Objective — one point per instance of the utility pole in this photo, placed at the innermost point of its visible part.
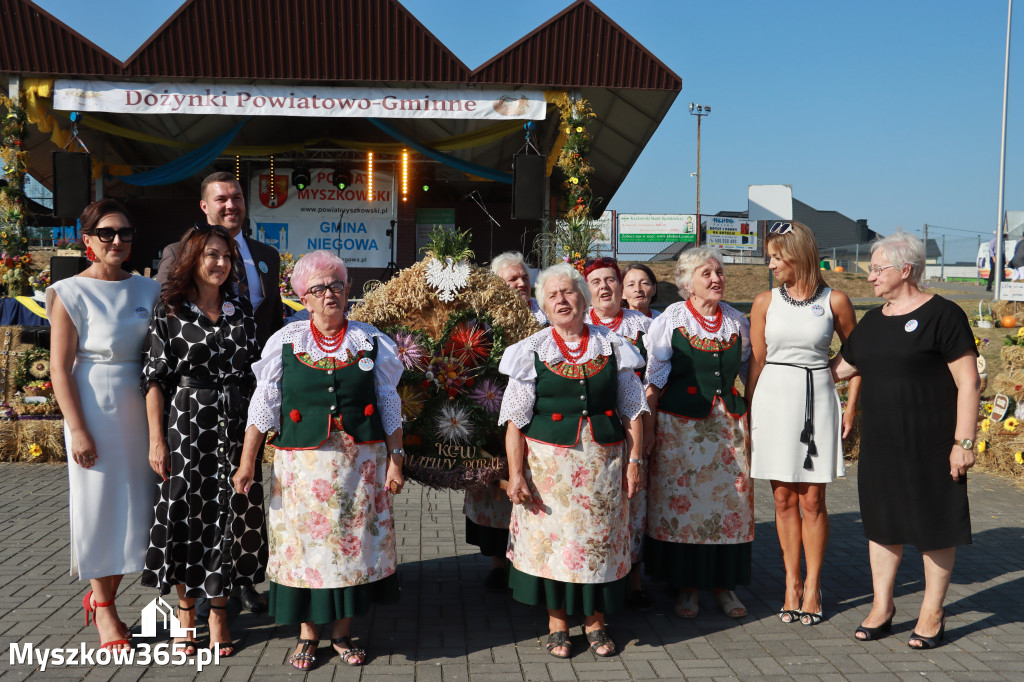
(700, 111)
(942, 270)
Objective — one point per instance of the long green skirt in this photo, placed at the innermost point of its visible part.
(703, 567)
(491, 541)
(291, 605)
(575, 598)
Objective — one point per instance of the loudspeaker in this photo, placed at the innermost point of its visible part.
(62, 267)
(528, 186)
(70, 183)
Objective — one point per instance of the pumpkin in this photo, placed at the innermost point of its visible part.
(840, 268)
(1008, 321)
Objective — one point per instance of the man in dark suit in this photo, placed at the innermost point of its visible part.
(223, 203)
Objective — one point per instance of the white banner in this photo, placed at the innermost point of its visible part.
(344, 222)
(646, 227)
(231, 99)
(737, 234)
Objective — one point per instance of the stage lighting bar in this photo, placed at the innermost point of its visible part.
(238, 168)
(369, 176)
(405, 175)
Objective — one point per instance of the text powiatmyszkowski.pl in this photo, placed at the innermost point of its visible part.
(139, 654)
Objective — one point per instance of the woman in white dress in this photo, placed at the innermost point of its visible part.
(100, 319)
(572, 406)
(328, 388)
(795, 419)
(604, 280)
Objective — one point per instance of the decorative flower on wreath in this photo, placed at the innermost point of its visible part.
(412, 399)
(488, 394)
(454, 423)
(410, 351)
(468, 344)
(1010, 424)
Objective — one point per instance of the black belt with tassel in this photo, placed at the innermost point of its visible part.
(807, 435)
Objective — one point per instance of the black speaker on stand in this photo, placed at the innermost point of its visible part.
(62, 267)
(528, 186)
(70, 183)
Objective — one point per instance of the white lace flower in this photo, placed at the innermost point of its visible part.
(454, 424)
(448, 277)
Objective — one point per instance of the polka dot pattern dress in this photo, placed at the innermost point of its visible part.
(205, 536)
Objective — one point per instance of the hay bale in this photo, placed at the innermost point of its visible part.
(1011, 384)
(1001, 309)
(48, 434)
(1012, 357)
(8, 440)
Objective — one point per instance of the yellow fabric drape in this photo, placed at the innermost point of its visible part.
(294, 305)
(32, 305)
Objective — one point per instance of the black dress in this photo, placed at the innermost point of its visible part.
(205, 536)
(908, 412)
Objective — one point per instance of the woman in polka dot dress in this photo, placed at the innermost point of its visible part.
(197, 377)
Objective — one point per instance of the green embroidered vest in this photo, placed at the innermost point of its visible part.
(315, 394)
(703, 370)
(570, 395)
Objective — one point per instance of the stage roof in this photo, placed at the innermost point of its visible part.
(360, 43)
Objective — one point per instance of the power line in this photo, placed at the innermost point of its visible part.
(955, 229)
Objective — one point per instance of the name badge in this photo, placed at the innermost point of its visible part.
(365, 364)
(817, 310)
(910, 326)
(228, 308)
(263, 267)
(142, 312)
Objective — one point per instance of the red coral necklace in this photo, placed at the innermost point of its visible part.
(711, 327)
(613, 325)
(572, 356)
(328, 344)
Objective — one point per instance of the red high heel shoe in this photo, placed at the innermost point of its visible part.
(90, 606)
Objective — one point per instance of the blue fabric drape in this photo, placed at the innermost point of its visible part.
(184, 166)
(441, 157)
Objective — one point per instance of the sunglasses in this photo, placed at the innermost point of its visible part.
(337, 287)
(606, 262)
(780, 228)
(107, 234)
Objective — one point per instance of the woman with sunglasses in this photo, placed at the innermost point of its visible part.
(197, 377)
(99, 320)
(604, 280)
(796, 424)
(328, 387)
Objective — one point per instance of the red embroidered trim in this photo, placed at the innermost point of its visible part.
(583, 370)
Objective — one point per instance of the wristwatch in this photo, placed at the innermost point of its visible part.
(398, 451)
(967, 444)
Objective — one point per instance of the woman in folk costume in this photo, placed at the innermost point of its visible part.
(700, 509)
(327, 386)
(572, 405)
(604, 280)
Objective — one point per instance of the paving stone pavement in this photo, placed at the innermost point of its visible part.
(449, 628)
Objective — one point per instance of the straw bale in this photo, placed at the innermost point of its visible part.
(48, 434)
(1012, 356)
(1001, 309)
(8, 440)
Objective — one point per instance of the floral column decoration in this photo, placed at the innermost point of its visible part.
(14, 258)
(574, 234)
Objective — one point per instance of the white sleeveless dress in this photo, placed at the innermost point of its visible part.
(801, 336)
(111, 503)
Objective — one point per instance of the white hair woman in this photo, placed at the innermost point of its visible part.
(572, 405)
(511, 267)
(327, 386)
(917, 357)
(695, 351)
(796, 423)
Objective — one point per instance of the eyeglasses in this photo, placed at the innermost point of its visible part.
(337, 287)
(107, 234)
(780, 228)
(875, 270)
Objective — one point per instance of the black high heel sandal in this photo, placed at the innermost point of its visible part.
(929, 642)
(187, 644)
(874, 633)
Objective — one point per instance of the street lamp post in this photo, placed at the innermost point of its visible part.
(698, 110)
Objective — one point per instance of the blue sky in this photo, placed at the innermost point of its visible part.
(883, 110)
